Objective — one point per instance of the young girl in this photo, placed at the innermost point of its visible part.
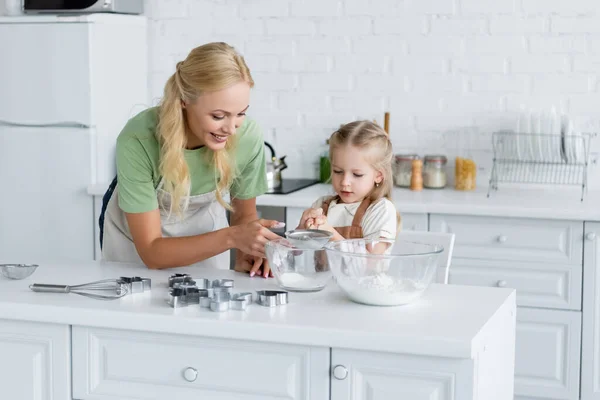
(361, 164)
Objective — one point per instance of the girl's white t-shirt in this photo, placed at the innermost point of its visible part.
(379, 220)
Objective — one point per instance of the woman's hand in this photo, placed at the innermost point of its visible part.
(250, 238)
(251, 264)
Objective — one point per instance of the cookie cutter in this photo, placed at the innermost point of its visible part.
(136, 284)
(219, 305)
(271, 298)
(177, 298)
(179, 278)
(217, 295)
(240, 301)
(213, 294)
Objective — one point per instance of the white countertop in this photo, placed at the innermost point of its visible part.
(446, 321)
(559, 203)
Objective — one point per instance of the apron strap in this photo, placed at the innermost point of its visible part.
(105, 200)
(360, 213)
(325, 205)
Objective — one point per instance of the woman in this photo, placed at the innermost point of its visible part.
(177, 162)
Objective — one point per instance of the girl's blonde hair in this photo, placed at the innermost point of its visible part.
(375, 143)
(207, 68)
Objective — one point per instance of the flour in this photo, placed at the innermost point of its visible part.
(381, 290)
(299, 281)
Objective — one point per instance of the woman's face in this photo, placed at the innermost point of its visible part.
(215, 116)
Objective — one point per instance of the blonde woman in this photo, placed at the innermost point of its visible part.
(177, 162)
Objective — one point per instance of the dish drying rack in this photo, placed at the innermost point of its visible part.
(528, 158)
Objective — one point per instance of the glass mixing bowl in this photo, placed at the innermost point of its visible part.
(298, 267)
(383, 272)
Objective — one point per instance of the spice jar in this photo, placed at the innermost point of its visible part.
(403, 169)
(434, 171)
(416, 179)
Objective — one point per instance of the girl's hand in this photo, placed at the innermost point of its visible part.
(308, 217)
(321, 223)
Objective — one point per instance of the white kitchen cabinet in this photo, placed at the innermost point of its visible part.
(35, 361)
(358, 375)
(543, 260)
(547, 355)
(117, 364)
(590, 352)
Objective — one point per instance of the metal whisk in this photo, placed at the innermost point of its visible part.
(108, 289)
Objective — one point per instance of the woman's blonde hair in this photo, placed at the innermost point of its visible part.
(375, 143)
(207, 68)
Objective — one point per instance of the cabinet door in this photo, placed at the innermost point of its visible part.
(35, 361)
(547, 354)
(590, 350)
(358, 375)
(119, 364)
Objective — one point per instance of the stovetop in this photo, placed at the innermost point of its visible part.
(292, 185)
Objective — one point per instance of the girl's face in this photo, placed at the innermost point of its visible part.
(352, 176)
(215, 116)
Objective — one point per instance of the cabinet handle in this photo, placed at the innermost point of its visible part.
(502, 239)
(590, 236)
(190, 374)
(340, 372)
(501, 283)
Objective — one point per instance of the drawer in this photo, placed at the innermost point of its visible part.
(117, 364)
(513, 239)
(547, 354)
(537, 284)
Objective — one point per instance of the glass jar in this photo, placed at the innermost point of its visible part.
(434, 171)
(465, 174)
(403, 169)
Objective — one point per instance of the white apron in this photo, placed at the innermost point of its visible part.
(203, 214)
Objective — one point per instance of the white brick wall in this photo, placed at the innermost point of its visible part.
(441, 67)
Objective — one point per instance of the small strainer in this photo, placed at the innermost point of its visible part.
(17, 271)
(314, 238)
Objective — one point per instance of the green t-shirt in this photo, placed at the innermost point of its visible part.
(138, 164)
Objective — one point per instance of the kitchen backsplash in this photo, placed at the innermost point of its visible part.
(449, 71)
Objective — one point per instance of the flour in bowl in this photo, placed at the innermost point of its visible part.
(382, 290)
(296, 280)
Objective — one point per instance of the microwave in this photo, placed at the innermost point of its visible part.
(83, 6)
